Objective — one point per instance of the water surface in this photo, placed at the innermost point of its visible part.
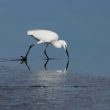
(83, 83)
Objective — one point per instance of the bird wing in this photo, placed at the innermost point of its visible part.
(35, 38)
(39, 42)
(43, 35)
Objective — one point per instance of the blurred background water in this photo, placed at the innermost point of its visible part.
(84, 24)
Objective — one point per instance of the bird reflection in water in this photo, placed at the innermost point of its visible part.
(24, 60)
(65, 69)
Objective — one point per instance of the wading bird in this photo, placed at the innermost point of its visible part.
(47, 37)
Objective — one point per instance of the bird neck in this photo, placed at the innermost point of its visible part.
(57, 44)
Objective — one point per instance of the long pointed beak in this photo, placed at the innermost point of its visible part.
(67, 53)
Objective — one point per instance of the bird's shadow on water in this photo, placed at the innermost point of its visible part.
(22, 61)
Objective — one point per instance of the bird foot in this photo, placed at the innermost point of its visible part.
(23, 59)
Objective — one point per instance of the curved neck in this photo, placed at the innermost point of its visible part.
(57, 44)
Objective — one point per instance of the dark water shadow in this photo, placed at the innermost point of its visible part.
(20, 60)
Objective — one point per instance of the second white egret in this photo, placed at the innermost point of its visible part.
(47, 37)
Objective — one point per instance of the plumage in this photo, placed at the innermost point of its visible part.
(47, 37)
(43, 35)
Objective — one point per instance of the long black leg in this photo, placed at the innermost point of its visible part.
(30, 47)
(67, 53)
(45, 65)
(45, 52)
(67, 64)
(24, 58)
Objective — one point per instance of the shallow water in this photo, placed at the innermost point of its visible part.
(83, 83)
(57, 89)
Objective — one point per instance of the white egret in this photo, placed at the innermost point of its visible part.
(47, 37)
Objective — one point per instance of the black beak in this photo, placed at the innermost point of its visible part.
(67, 53)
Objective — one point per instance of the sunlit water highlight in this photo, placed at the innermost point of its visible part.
(47, 88)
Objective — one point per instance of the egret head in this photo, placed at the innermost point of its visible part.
(61, 44)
